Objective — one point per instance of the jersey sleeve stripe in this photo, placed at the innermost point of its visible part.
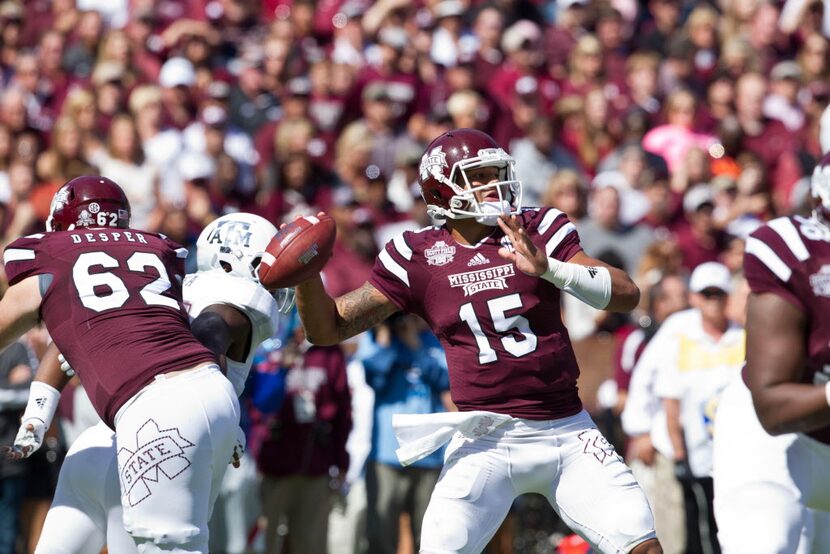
(558, 237)
(401, 247)
(548, 220)
(787, 231)
(181, 252)
(393, 267)
(18, 255)
(35, 236)
(768, 257)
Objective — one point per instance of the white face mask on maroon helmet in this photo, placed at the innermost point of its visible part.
(447, 189)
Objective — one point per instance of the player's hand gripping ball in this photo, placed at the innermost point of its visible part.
(297, 252)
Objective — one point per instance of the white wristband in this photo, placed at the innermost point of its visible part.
(591, 284)
(43, 402)
(827, 392)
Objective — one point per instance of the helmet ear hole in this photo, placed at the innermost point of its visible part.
(225, 266)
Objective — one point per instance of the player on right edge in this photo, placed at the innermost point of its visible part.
(488, 283)
(772, 494)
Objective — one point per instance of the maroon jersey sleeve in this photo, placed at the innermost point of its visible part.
(394, 274)
(768, 262)
(553, 231)
(24, 258)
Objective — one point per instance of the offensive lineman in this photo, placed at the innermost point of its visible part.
(111, 298)
(232, 314)
(771, 490)
(488, 283)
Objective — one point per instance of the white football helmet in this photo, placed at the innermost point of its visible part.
(234, 243)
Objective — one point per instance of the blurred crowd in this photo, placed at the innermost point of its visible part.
(667, 130)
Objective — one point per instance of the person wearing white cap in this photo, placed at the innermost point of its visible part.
(176, 78)
(695, 354)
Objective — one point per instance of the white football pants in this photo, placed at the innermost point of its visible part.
(566, 460)
(759, 506)
(174, 440)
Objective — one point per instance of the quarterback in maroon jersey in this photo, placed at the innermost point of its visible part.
(111, 298)
(787, 265)
(488, 283)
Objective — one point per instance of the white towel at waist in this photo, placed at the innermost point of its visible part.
(422, 434)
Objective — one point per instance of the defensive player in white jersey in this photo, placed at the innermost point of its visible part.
(772, 494)
(231, 314)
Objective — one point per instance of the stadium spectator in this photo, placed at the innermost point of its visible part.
(313, 422)
(649, 451)
(701, 352)
(604, 231)
(405, 366)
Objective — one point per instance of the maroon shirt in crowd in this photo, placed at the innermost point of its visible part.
(506, 346)
(790, 257)
(308, 435)
(113, 306)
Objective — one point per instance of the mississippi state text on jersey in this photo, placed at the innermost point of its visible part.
(507, 348)
(790, 257)
(112, 304)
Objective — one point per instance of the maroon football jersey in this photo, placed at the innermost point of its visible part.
(507, 349)
(113, 307)
(790, 257)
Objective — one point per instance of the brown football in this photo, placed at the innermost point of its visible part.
(297, 252)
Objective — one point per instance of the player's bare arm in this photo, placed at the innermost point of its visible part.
(19, 310)
(775, 361)
(623, 295)
(225, 330)
(329, 321)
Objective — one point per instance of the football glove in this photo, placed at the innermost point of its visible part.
(239, 448)
(65, 367)
(43, 401)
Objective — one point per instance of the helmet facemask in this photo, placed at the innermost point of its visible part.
(500, 197)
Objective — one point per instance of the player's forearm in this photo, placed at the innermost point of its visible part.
(599, 285)
(49, 371)
(792, 408)
(328, 321)
(625, 295)
(318, 312)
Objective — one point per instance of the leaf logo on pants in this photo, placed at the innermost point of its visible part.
(157, 451)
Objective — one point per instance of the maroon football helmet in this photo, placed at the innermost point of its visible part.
(446, 188)
(89, 201)
(820, 189)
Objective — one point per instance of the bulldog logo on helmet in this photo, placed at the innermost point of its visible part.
(434, 163)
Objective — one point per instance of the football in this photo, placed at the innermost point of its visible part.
(297, 252)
